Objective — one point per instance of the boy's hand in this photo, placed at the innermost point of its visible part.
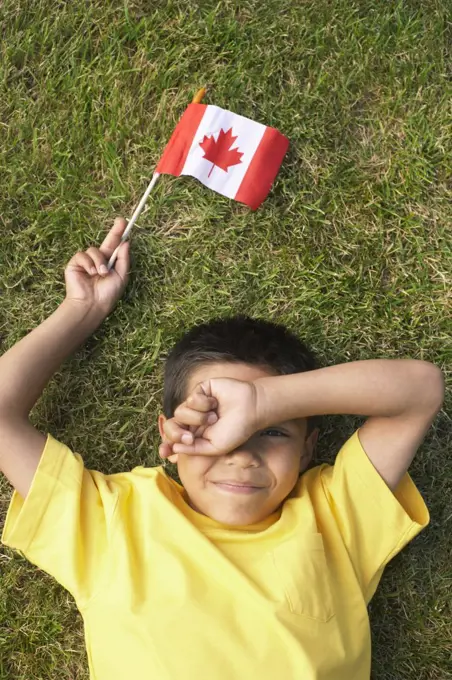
(235, 405)
(88, 281)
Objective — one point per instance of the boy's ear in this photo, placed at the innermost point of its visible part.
(161, 422)
(313, 437)
(309, 449)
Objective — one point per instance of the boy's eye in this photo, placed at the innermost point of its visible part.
(272, 430)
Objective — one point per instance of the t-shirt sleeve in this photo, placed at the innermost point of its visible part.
(63, 525)
(375, 523)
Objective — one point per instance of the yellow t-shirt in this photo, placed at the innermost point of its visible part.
(167, 593)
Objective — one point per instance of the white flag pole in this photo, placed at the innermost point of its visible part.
(196, 100)
(134, 218)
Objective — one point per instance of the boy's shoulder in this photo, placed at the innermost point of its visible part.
(143, 479)
(319, 475)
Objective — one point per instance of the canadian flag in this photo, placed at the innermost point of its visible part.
(230, 154)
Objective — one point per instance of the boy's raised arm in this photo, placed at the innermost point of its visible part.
(24, 372)
(400, 398)
(27, 367)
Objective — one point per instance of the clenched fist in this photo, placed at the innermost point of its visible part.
(218, 416)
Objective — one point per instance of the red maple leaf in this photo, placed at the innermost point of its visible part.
(219, 152)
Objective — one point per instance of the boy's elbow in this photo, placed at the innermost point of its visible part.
(432, 387)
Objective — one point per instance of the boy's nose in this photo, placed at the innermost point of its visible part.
(243, 456)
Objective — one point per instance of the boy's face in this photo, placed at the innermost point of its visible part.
(271, 458)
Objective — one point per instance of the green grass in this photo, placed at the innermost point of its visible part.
(352, 249)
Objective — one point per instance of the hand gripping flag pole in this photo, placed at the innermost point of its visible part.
(196, 100)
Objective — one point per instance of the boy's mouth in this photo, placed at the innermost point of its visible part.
(236, 487)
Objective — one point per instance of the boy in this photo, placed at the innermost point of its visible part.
(247, 570)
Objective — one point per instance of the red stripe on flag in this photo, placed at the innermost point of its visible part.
(263, 168)
(176, 151)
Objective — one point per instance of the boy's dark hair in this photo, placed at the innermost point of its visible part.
(237, 339)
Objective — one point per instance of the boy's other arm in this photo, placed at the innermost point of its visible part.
(91, 294)
(24, 372)
(400, 397)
